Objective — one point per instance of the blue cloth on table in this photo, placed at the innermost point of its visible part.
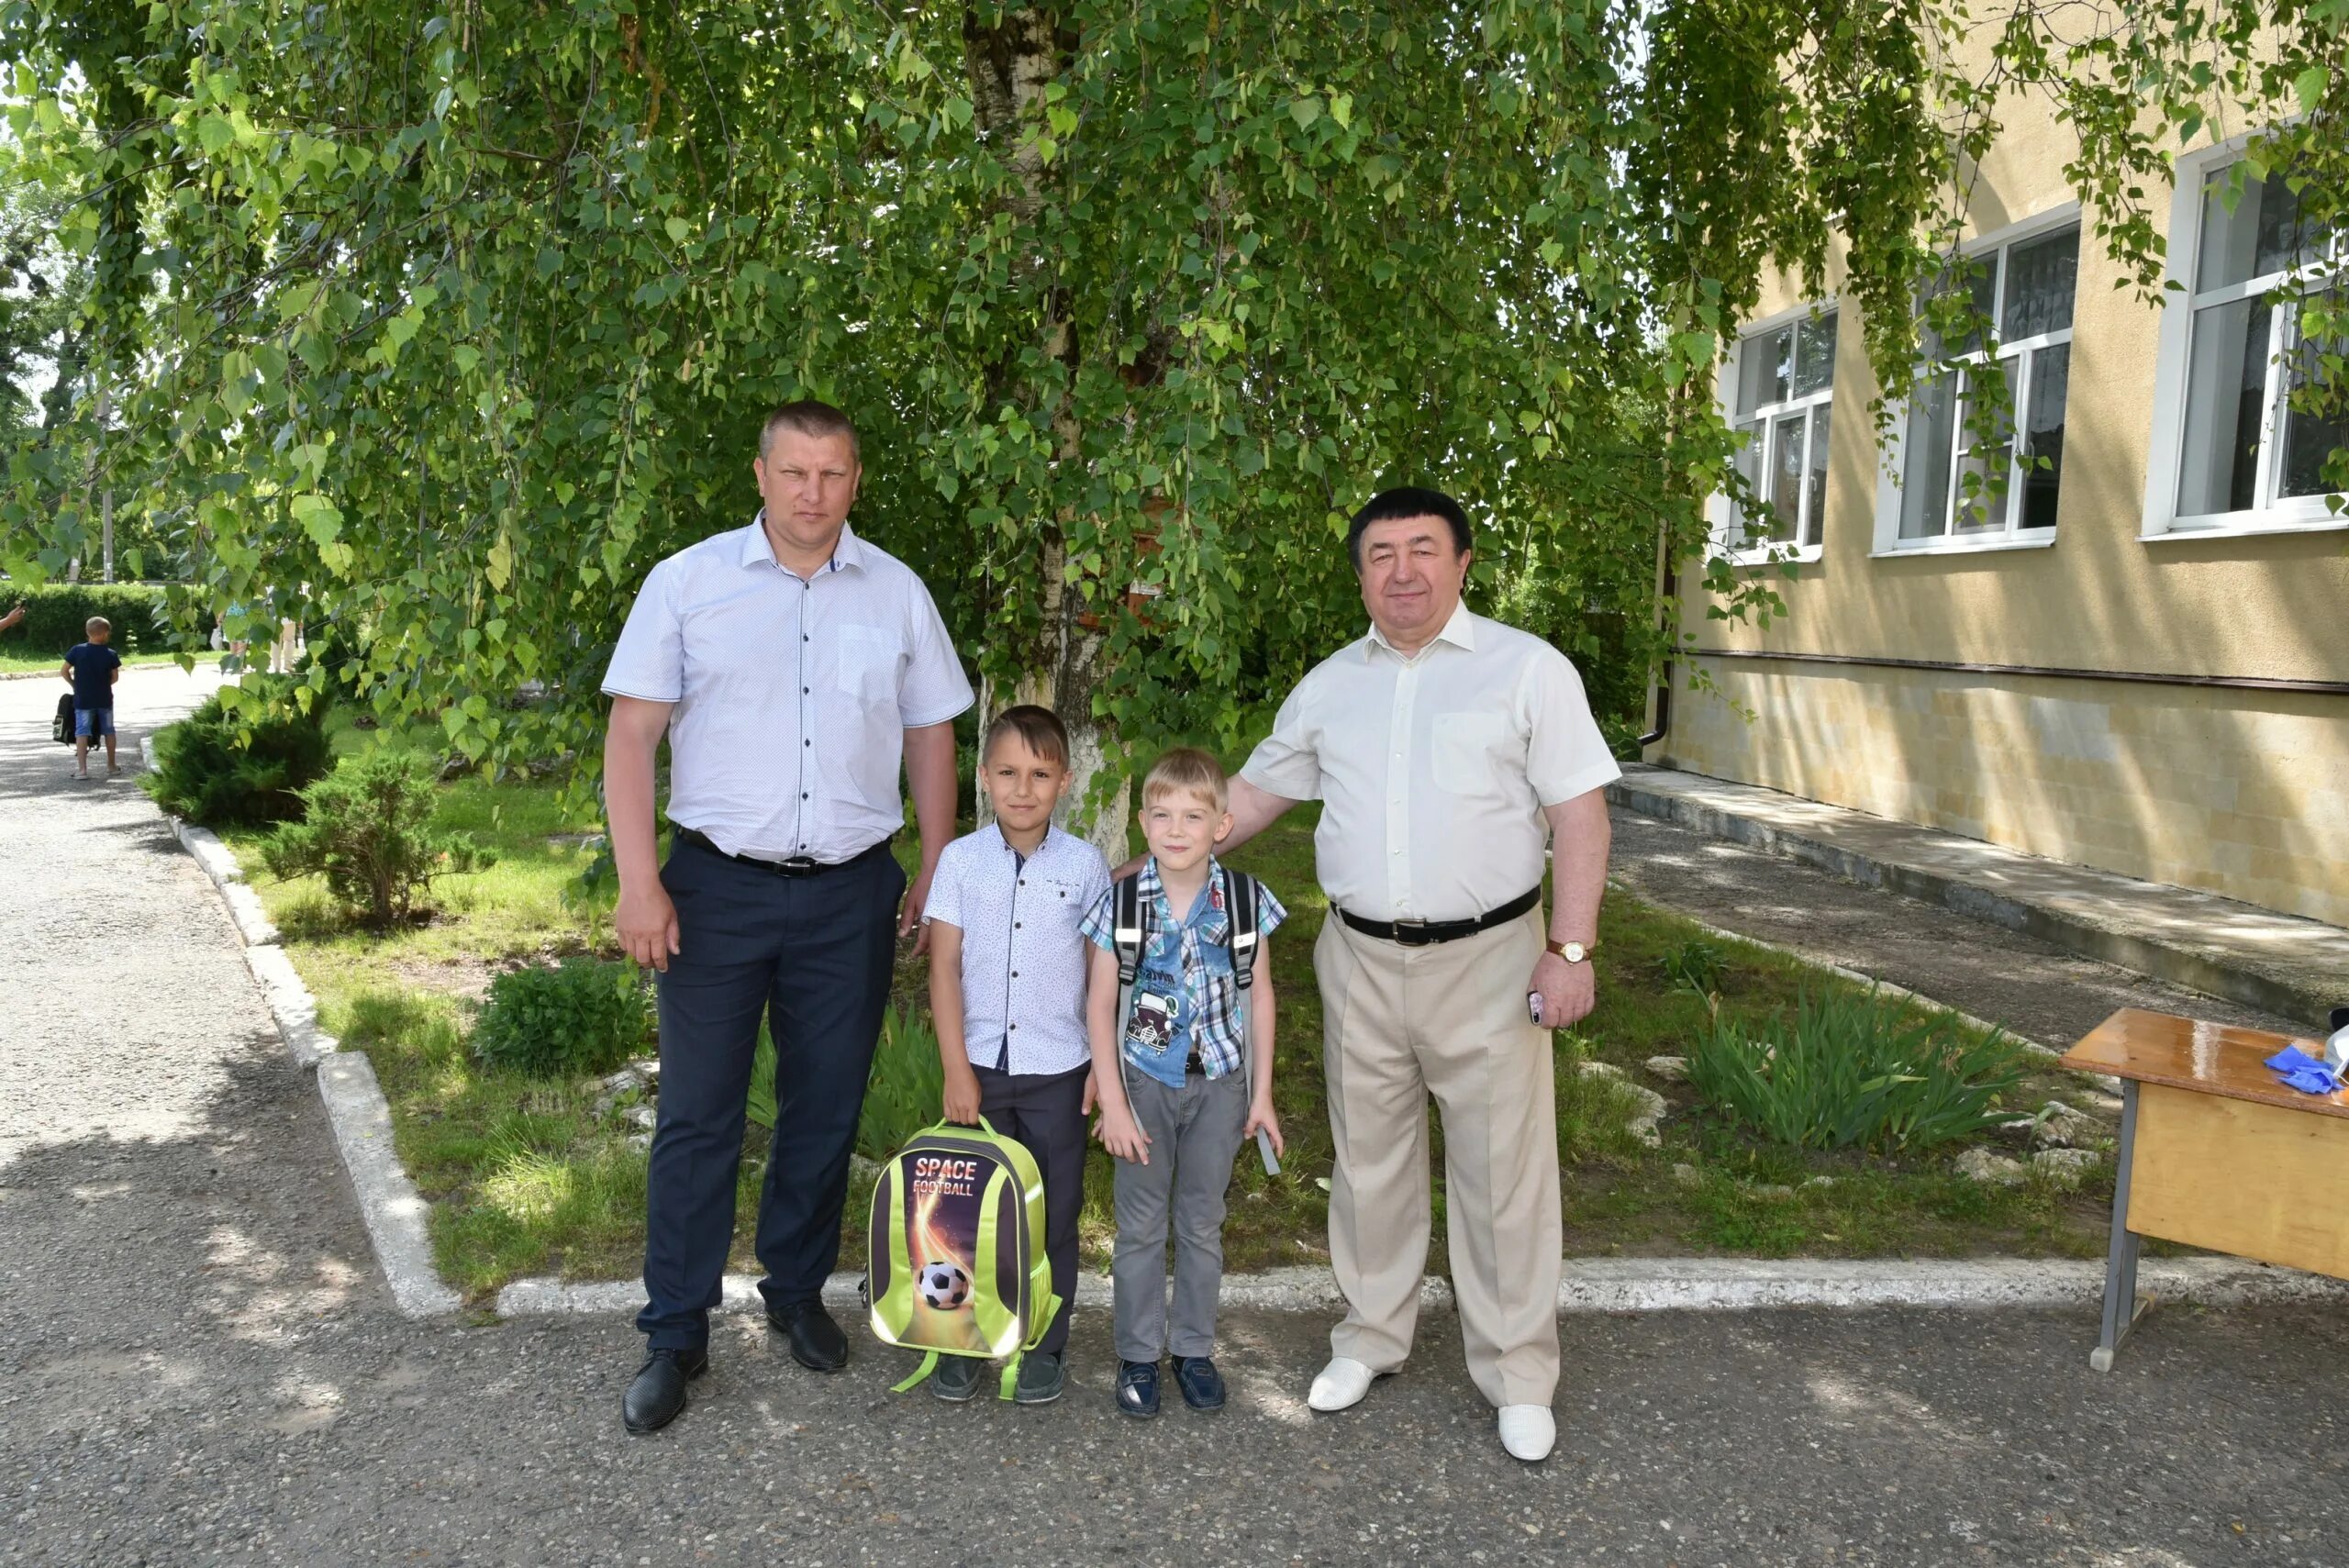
(2305, 1073)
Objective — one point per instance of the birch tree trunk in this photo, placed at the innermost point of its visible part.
(1010, 65)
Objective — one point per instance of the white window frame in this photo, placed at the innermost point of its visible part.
(1890, 488)
(2166, 452)
(1722, 514)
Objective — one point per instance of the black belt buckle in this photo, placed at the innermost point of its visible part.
(1412, 934)
(798, 865)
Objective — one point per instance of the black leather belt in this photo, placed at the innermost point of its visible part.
(1426, 933)
(798, 865)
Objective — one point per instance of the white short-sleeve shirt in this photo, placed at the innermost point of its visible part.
(1023, 960)
(1433, 769)
(792, 695)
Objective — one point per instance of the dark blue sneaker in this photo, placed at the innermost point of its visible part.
(1202, 1386)
(1137, 1388)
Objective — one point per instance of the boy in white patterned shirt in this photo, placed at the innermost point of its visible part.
(1007, 992)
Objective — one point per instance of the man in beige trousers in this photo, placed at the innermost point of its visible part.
(1449, 750)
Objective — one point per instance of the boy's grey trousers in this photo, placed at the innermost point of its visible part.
(1193, 1135)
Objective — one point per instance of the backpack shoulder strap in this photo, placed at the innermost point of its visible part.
(1126, 926)
(1240, 907)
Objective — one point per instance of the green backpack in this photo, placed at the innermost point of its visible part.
(957, 1265)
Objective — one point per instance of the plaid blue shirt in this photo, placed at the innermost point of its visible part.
(1189, 961)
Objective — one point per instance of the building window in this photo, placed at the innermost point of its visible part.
(1967, 474)
(2245, 456)
(1785, 380)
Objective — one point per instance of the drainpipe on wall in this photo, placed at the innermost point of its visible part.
(1670, 591)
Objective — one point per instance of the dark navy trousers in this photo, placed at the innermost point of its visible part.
(1046, 1112)
(813, 955)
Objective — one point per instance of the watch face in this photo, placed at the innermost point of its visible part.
(1573, 952)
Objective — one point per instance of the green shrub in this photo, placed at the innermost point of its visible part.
(1697, 964)
(1854, 1069)
(582, 1016)
(224, 767)
(904, 1095)
(56, 613)
(368, 830)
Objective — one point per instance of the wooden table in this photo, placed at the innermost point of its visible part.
(2215, 1152)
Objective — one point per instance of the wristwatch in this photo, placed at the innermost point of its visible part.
(1573, 952)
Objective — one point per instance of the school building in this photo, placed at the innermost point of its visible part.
(2133, 654)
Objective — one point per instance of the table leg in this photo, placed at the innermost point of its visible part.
(2122, 1305)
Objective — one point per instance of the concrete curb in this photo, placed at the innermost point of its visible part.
(1274, 1290)
(1638, 1284)
(254, 923)
(393, 1210)
(2181, 965)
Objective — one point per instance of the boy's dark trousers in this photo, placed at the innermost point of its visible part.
(814, 955)
(1046, 1113)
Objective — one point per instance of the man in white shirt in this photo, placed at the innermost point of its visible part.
(1448, 752)
(793, 666)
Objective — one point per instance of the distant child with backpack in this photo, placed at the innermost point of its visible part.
(91, 668)
(1007, 993)
(1180, 1011)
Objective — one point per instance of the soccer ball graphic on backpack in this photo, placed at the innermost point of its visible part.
(944, 1286)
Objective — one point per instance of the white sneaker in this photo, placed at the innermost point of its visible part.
(1340, 1385)
(1528, 1431)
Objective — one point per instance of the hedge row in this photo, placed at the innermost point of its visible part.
(55, 614)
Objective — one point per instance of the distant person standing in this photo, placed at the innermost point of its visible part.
(91, 668)
(793, 667)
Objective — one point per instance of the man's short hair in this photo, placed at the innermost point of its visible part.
(1408, 501)
(1187, 769)
(809, 418)
(100, 623)
(1039, 729)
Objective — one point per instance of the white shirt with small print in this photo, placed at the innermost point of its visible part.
(794, 694)
(1023, 962)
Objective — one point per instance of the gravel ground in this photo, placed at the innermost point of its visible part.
(205, 1366)
(2040, 992)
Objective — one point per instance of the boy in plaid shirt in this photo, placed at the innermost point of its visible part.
(1177, 1098)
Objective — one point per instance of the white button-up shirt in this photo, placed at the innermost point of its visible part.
(1023, 961)
(1433, 769)
(793, 694)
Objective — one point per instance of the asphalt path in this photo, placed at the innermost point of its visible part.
(205, 1366)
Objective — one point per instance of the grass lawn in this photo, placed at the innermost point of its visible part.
(524, 1178)
(14, 658)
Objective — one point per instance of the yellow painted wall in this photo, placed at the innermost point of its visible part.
(2238, 792)
(2185, 785)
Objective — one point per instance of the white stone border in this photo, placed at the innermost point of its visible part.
(1643, 1285)
(394, 1212)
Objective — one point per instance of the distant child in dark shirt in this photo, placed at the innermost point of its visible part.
(91, 669)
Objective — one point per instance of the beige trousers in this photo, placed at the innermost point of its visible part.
(1401, 1024)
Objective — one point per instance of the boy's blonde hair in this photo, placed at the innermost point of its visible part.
(97, 623)
(1187, 769)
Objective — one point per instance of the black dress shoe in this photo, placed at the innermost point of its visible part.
(658, 1394)
(1137, 1388)
(1202, 1386)
(817, 1341)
